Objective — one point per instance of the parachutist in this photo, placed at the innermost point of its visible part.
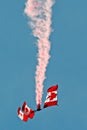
(38, 107)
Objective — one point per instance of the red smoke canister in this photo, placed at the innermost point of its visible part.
(38, 107)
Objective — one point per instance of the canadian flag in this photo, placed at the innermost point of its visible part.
(21, 115)
(25, 113)
(28, 111)
(51, 98)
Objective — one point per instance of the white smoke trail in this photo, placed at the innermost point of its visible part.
(40, 12)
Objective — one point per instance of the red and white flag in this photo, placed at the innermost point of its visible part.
(51, 98)
(21, 115)
(25, 113)
(28, 111)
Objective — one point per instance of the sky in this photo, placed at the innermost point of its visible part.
(67, 67)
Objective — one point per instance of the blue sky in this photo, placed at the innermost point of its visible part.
(67, 67)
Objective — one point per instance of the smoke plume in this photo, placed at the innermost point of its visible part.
(40, 12)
